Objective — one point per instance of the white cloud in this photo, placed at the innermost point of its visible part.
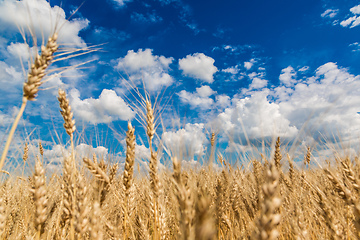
(258, 83)
(201, 98)
(146, 18)
(198, 66)
(355, 10)
(232, 70)
(304, 69)
(144, 66)
(259, 117)
(288, 76)
(330, 13)
(222, 100)
(354, 20)
(20, 50)
(330, 98)
(107, 108)
(120, 3)
(10, 79)
(195, 101)
(248, 65)
(205, 91)
(355, 46)
(189, 140)
(42, 19)
(327, 103)
(56, 155)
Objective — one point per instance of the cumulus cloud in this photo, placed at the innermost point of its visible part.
(257, 82)
(201, 98)
(260, 117)
(10, 79)
(248, 65)
(54, 156)
(42, 17)
(198, 66)
(288, 76)
(324, 104)
(222, 100)
(189, 140)
(107, 108)
(354, 20)
(20, 50)
(144, 66)
(328, 101)
(330, 13)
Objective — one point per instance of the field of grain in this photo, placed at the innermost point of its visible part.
(269, 198)
(100, 201)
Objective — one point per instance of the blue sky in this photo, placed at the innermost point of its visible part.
(243, 69)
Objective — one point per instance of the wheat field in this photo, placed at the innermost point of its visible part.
(101, 201)
(272, 198)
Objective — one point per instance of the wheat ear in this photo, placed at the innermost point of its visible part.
(130, 158)
(154, 178)
(81, 209)
(204, 228)
(95, 222)
(96, 170)
(2, 216)
(31, 86)
(129, 170)
(269, 218)
(182, 193)
(67, 114)
(307, 157)
(277, 154)
(39, 193)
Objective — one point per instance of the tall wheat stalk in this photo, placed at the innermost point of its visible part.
(128, 172)
(31, 86)
(70, 166)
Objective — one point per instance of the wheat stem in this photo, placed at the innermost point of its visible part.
(12, 131)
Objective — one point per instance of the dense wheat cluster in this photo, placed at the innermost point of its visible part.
(268, 201)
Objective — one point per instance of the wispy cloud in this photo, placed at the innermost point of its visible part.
(354, 20)
(120, 3)
(330, 13)
(146, 18)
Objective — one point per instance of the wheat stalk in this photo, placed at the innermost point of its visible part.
(31, 86)
(130, 158)
(95, 223)
(81, 210)
(129, 170)
(269, 218)
(307, 157)
(96, 170)
(277, 155)
(39, 194)
(2, 216)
